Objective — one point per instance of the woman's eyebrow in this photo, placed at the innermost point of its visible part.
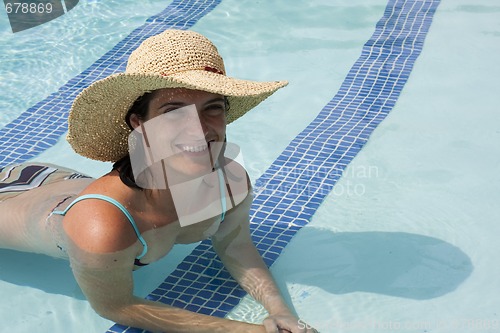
(177, 104)
(215, 100)
(181, 104)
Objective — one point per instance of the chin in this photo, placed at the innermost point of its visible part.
(185, 170)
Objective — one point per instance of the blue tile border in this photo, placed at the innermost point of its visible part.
(41, 126)
(290, 191)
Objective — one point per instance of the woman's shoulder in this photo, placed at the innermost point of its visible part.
(98, 222)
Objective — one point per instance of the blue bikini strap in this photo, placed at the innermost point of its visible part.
(119, 206)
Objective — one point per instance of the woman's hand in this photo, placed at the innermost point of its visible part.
(286, 323)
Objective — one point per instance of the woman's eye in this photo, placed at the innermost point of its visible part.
(173, 113)
(214, 110)
(168, 110)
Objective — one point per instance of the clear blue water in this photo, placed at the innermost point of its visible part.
(408, 236)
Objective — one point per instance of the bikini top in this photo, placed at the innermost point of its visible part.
(131, 219)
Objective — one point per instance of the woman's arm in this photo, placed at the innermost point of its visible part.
(110, 292)
(102, 255)
(234, 246)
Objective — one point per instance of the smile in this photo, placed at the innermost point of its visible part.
(193, 149)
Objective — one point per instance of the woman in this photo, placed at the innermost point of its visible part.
(163, 123)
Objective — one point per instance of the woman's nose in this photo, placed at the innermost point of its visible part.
(204, 126)
(195, 125)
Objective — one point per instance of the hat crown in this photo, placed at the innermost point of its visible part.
(175, 51)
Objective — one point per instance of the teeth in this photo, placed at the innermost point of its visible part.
(194, 149)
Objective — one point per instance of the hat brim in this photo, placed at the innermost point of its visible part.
(96, 123)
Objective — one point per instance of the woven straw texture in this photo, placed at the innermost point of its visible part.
(172, 59)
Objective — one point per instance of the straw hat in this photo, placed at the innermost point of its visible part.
(172, 59)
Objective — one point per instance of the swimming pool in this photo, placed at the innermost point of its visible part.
(405, 239)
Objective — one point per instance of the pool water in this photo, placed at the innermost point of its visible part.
(406, 241)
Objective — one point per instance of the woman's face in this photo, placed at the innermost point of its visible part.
(186, 128)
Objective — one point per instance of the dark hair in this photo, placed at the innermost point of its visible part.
(140, 108)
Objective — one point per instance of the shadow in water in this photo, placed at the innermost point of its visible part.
(389, 263)
(38, 271)
(54, 276)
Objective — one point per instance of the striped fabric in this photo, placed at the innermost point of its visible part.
(16, 179)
